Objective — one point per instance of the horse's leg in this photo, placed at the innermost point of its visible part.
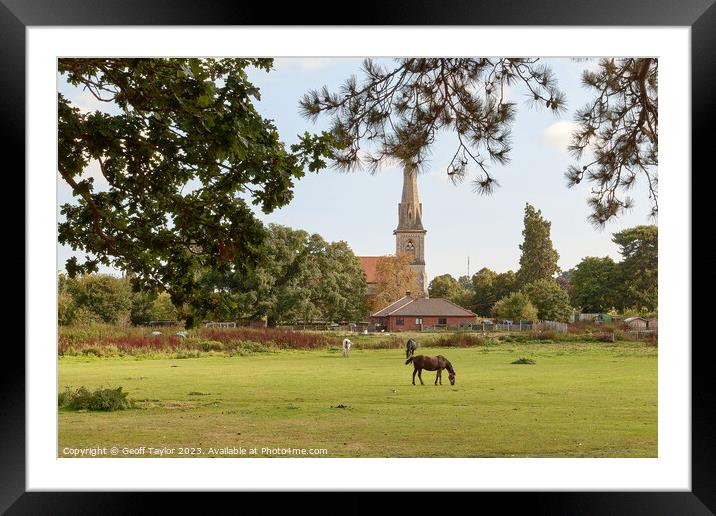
(420, 376)
(414, 371)
(438, 376)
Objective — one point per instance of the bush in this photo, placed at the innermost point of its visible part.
(459, 340)
(271, 337)
(247, 347)
(100, 399)
(211, 345)
(523, 360)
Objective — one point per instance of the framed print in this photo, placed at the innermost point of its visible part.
(222, 295)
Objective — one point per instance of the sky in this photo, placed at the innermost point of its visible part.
(362, 209)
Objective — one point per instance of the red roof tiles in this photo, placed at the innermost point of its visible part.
(435, 306)
(369, 264)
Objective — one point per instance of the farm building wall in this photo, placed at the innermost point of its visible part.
(409, 322)
(636, 323)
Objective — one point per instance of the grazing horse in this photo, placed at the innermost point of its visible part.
(346, 347)
(410, 348)
(437, 363)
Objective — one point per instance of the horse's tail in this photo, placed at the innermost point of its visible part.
(409, 360)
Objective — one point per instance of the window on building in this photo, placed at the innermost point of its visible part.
(399, 321)
(442, 320)
(409, 246)
(419, 320)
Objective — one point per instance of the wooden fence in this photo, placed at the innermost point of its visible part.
(220, 325)
(555, 326)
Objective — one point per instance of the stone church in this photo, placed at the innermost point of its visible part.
(409, 235)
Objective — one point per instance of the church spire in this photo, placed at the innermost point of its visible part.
(410, 211)
(410, 234)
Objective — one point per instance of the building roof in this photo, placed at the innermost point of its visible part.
(369, 265)
(395, 305)
(409, 306)
(630, 319)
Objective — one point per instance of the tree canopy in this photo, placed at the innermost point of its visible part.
(489, 287)
(401, 110)
(515, 307)
(539, 258)
(182, 158)
(550, 300)
(93, 298)
(447, 287)
(396, 112)
(639, 268)
(444, 286)
(300, 277)
(595, 284)
(619, 129)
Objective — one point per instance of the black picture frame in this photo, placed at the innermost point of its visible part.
(699, 15)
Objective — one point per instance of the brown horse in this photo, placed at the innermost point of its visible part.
(437, 363)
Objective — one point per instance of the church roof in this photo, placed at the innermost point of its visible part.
(409, 306)
(369, 265)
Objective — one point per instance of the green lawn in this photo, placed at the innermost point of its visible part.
(577, 400)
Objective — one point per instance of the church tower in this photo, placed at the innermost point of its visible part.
(410, 234)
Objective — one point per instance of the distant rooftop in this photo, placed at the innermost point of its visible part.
(369, 265)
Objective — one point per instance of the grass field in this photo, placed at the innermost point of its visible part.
(577, 400)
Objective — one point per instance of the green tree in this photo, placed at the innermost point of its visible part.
(505, 283)
(594, 284)
(483, 286)
(489, 287)
(141, 308)
(444, 286)
(639, 268)
(464, 299)
(515, 307)
(163, 308)
(550, 300)
(66, 309)
(466, 283)
(564, 280)
(539, 258)
(340, 284)
(300, 277)
(619, 129)
(99, 297)
(447, 287)
(182, 154)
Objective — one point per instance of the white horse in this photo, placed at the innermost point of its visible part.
(346, 347)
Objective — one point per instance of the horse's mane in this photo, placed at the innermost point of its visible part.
(448, 366)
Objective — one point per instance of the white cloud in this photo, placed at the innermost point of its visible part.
(559, 134)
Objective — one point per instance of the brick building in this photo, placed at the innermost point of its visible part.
(413, 314)
(369, 264)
